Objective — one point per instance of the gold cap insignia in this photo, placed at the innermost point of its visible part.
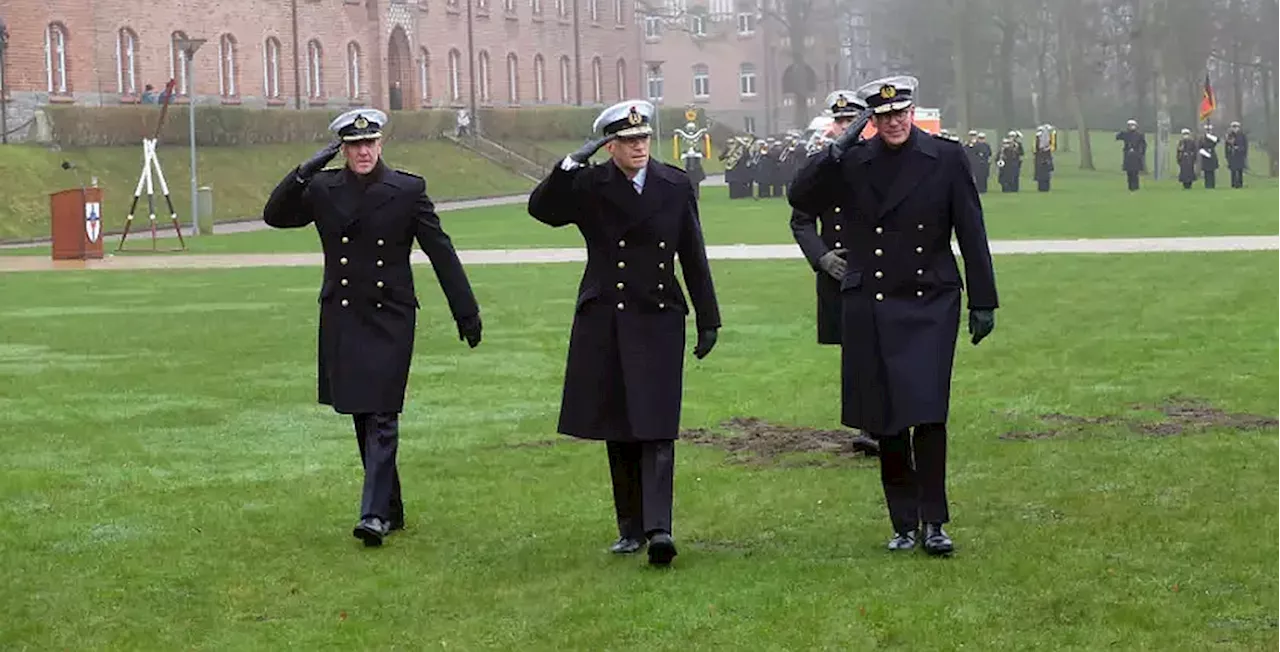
(633, 118)
(361, 123)
(888, 92)
(841, 102)
(691, 115)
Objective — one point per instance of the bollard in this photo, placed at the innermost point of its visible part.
(205, 204)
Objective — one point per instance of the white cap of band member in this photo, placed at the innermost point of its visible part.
(889, 93)
(844, 104)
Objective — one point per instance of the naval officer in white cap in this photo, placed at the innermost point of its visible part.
(901, 295)
(368, 216)
(625, 369)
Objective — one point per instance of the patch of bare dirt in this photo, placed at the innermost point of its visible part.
(753, 440)
(1179, 416)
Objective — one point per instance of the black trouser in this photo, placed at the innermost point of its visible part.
(764, 190)
(1133, 179)
(379, 436)
(913, 471)
(643, 475)
(1237, 177)
(1043, 184)
(1186, 184)
(779, 190)
(1210, 178)
(981, 181)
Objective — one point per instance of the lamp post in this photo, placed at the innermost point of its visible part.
(188, 47)
(4, 97)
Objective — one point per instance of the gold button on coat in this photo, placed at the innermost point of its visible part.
(661, 306)
(919, 227)
(879, 229)
(919, 272)
(379, 263)
(621, 285)
(345, 239)
(342, 261)
(838, 245)
(879, 274)
(879, 296)
(837, 227)
(620, 306)
(622, 243)
(379, 283)
(661, 286)
(345, 303)
(837, 209)
(381, 242)
(344, 282)
(621, 265)
(879, 252)
(662, 244)
(379, 305)
(662, 265)
(919, 293)
(919, 250)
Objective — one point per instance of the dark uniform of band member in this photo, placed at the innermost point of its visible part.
(901, 294)
(737, 173)
(820, 239)
(1043, 158)
(981, 162)
(1135, 152)
(1010, 164)
(1187, 156)
(625, 369)
(1209, 156)
(1237, 150)
(368, 216)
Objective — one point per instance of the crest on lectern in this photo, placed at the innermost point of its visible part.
(92, 220)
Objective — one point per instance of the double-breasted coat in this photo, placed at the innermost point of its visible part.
(368, 304)
(1209, 143)
(1187, 154)
(625, 370)
(1237, 150)
(901, 289)
(816, 236)
(1135, 150)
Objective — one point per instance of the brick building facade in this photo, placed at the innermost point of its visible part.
(729, 57)
(322, 53)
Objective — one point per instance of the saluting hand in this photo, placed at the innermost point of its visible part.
(981, 323)
(852, 134)
(584, 153)
(469, 330)
(706, 342)
(317, 162)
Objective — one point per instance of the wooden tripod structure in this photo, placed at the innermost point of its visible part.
(145, 180)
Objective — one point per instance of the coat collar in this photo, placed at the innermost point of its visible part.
(617, 189)
(355, 198)
(921, 152)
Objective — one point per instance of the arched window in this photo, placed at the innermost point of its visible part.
(455, 76)
(126, 62)
(271, 68)
(353, 70)
(513, 79)
(227, 65)
(424, 75)
(597, 81)
(539, 79)
(622, 80)
(55, 58)
(315, 70)
(178, 63)
(564, 80)
(484, 76)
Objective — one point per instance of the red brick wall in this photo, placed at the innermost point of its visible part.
(93, 25)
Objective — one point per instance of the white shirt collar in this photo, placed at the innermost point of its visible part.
(638, 180)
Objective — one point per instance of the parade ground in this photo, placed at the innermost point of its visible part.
(169, 482)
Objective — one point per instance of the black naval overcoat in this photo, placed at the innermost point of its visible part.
(901, 290)
(1187, 154)
(368, 304)
(625, 370)
(816, 236)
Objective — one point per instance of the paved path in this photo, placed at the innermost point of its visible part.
(715, 252)
(165, 230)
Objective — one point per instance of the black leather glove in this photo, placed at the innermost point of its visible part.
(851, 135)
(317, 162)
(981, 323)
(584, 153)
(706, 342)
(469, 330)
(833, 263)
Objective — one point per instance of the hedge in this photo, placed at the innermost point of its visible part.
(84, 126)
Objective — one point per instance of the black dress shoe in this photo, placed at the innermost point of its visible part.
(626, 546)
(936, 541)
(662, 549)
(866, 445)
(903, 541)
(370, 530)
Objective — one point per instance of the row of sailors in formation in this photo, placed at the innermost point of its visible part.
(767, 164)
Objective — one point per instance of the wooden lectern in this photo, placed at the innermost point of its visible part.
(76, 221)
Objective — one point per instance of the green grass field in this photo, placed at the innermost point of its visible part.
(169, 483)
(241, 178)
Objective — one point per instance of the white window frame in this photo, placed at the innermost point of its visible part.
(539, 79)
(353, 70)
(227, 65)
(126, 62)
(315, 69)
(271, 67)
(455, 75)
(566, 73)
(178, 63)
(747, 80)
(55, 54)
(483, 58)
(701, 81)
(424, 75)
(513, 78)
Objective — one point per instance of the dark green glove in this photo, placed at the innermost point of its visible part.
(850, 137)
(584, 153)
(833, 263)
(981, 323)
(469, 329)
(317, 162)
(706, 342)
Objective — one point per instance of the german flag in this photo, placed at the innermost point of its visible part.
(1208, 102)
